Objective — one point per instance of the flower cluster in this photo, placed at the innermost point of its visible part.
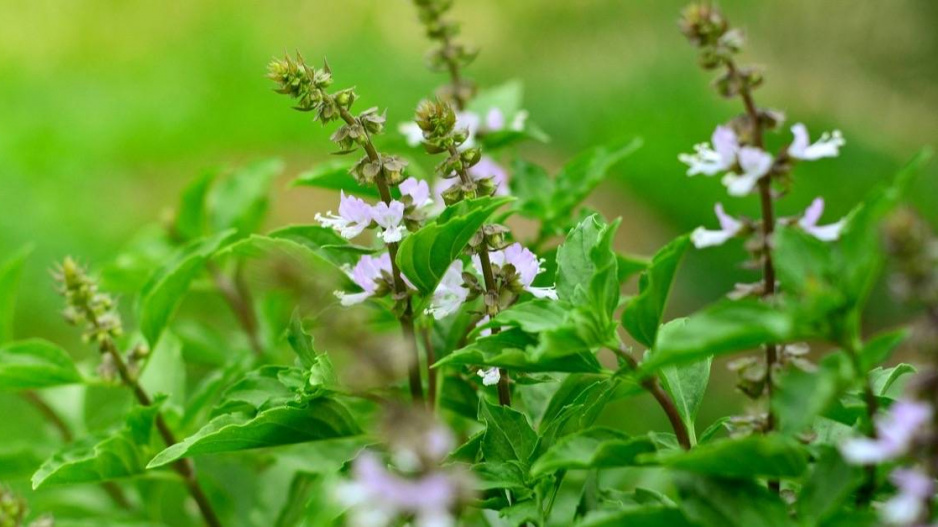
(86, 304)
(731, 227)
(412, 486)
(392, 219)
(308, 86)
(744, 165)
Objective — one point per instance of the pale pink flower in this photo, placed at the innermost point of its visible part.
(729, 227)
(896, 431)
(812, 214)
(389, 218)
(355, 215)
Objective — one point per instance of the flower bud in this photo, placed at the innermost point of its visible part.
(702, 24)
(470, 156)
(435, 118)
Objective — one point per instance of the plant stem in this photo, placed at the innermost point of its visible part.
(184, 467)
(768, 228)
(491, 287)
(431, 371)
(653, 386)
(239, 300)
(866, 492)
(65, 432)
(400, 288)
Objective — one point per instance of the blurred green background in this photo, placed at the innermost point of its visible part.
(108, 108)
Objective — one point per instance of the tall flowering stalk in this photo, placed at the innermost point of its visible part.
(447, 55)
(96, 310)
(738, 151)
(308, 87)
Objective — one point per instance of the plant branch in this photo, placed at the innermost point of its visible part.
(491, 287)
(431, 371)
(400, 288)
(653, 386)
(239, 300)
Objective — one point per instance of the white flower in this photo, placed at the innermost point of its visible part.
(909, 505)
(366, 274)
(417, 190)
(449, 294)
(729, 227)
(411, 132)
(755, 163)
(526, 266)
(354, 216)
(827, 146)
(709, 161)
(490, 376)
(809, 220)
(895, 433)
(389, 218)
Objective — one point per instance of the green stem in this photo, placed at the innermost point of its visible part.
(184, 467)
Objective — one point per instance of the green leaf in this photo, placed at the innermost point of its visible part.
(424, 256)
(587, 266)
(165, 371)
(533, 187)
(165, 289)
(303, 243)
(581, 175)
(192, 216)
(240, 201)
(300, 341)
(316, 420)
(802, 396)
(883, 380)
(335, 175)
(34, 364)
(508, 435)
(715, 502)
(752, 456)
(578, 403)
(513, 349)
(880, 348)
(860, 244)
(10, 271)
(592, 448)
(827, 488)
(643, 314)
(646, 516)
(102, 458)
(500, 475)
(686, 384)
(724, 327)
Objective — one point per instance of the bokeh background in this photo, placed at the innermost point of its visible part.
(108, 108)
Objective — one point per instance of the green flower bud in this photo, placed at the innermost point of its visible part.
(435, 118)
(471, 156)
(702, 24)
